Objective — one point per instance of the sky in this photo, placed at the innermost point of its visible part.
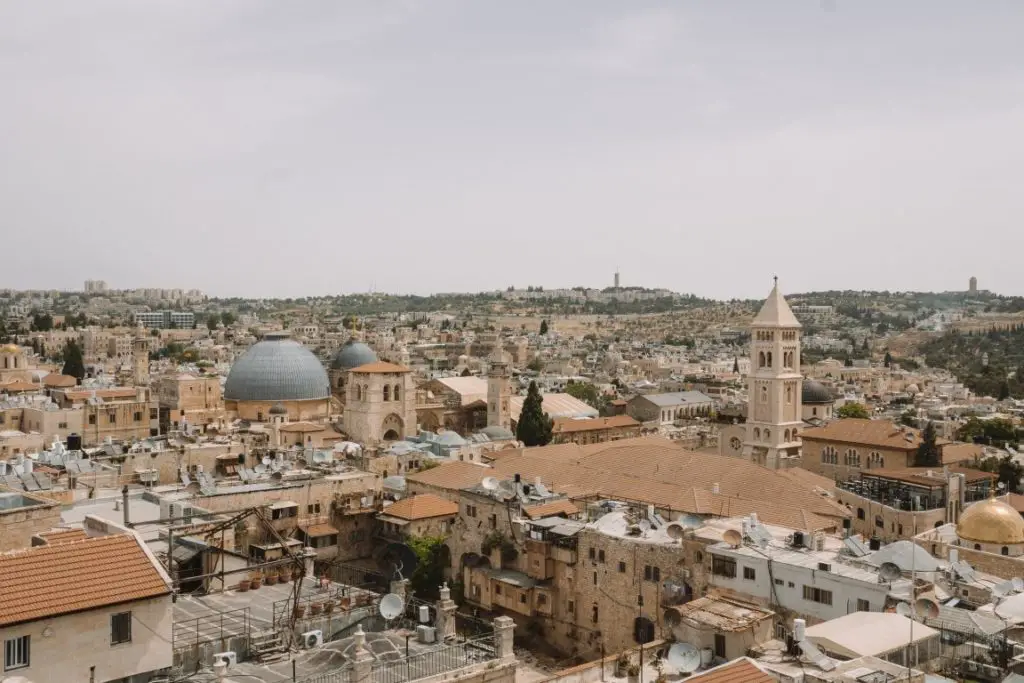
(311, 147)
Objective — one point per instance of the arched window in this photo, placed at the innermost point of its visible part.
(770, 360)
(757, 434)
(397, 392)
(359, 393)
(767, 435)
(760, 359)
(764, 394)
(860, 513)
(789, 393)
(387, 392)
(785, 436)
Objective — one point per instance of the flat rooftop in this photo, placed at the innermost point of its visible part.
(800, 557)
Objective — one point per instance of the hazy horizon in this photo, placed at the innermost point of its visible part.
(260, 149)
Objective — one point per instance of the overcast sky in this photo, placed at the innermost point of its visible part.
(268, 148)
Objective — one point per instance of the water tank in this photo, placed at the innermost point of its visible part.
(707, 656)
(74, 442)
(241, 458)
(875, 543)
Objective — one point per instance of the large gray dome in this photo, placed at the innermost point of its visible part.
(352, 355)
(815, 393)
(277, 369)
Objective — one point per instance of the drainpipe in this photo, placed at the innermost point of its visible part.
(124, 504)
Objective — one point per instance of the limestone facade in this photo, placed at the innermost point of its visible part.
(380, 404)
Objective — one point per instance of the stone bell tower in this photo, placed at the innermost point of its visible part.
(774, 415)
(499, 377)
(140, 358)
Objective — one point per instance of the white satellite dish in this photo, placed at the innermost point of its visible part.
(683, 657)
(675, 530)
(391, 606)
(490, 483)
(1001, 590)
(507, 490)
(889, 571)
(926, 608)
(903, 609)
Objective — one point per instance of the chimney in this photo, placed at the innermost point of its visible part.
(124, 506)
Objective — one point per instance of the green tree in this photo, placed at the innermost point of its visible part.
(543, 327)
(212, 321)
(927, 454)
(1007, 470)
(536, 365)
(584, 391)
(1004, 390)
(42, 322)
(534, 426)
(856, 410)
(428, 576)
(908, 418)
(888, 359)
(228, 318)
(73, 363)
(736, 365)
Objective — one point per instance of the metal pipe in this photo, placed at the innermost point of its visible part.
(124, 504)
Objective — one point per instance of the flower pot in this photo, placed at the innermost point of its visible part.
(345, 602)
(316, 608)
(270, 579)
(284, 577)
(243, 586)
(296, 574)
(256, 582)
(300, 611)
(329, 606)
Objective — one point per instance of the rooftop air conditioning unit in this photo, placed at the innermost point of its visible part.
(311, 639)
(229, 659)
(426, 634)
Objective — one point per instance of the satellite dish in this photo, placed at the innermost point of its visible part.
(733, 537)
(903, 609)
(1018, 584)
(490, 483)
(926, 608)
(683, 657)
(675, 530)
(266, 460)
(889, 571)
(391, 606)
(1001, 590)
(507, 490)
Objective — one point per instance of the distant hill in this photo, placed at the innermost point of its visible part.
(964, 355)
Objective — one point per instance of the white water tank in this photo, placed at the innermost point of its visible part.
(799, 630)
(707, 656)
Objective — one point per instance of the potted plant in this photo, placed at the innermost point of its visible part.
(345, 602)
(256, 581)
(328, 606)
(621, 665)
(271, 578)
(299, 611)
(633, 673)
(284, 575)
(296, 573)
(316, 608)
(243, 586)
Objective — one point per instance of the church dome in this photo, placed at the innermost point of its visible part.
(991, 521)
(352, 355)
(277, 369)
(815, 393)
(497, 433)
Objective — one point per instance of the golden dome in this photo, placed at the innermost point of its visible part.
(10, 348)
(991, 521)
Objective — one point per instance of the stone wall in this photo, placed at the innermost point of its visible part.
(21, 524)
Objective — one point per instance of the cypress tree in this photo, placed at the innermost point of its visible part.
(534, 426)
(73, 363)
(927, 452)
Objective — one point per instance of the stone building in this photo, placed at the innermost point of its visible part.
(594, 430)
(499, 391)
(278, 369)
(380, 405)
(425, 515)
(14, 364)
(22, 516)
(117, 413)
(667, 408)
(188, 398)
(352, 354)
(817, 401)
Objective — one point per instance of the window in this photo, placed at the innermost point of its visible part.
(879, 522)
(493, 521)
(592, 553)
(112, 418)
(790, 584)
(1005, 550)
(92, 419)
(497, 589)
(313, 509)
(622, 567)
(284, 512)
(594, 614)
(153, 414)
(698, 556)
(120, 628)
(16, 653)
(542, 599)
(723, 566)
(522, 598)
(60, 425)
(570, 607)
(720, 646)
(595, 578)
(860, 513)
(387, 392)
(863, 605)
(137, 416)
(471, 511)
(749, 574)
(396, 392)
(818, 595)
(780, 582)
(600, 556)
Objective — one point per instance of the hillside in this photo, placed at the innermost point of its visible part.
(964, 355)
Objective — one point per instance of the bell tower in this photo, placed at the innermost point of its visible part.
(140, 361)
(774, 415)
(499, 390)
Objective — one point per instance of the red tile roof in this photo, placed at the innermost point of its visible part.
(380, 367)
(50, 580)
(738, 671)
(423, 506)
(556, 507)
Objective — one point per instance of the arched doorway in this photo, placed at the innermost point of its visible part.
(392, 428)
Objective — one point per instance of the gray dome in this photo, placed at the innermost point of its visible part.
(497, 433)
(277, 369)
(812, 393)
(278, 409)
(352, 355)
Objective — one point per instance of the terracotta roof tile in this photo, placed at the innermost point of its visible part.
(881, 433)
(567, 425)
(555, 507)
(738, 671)
(56, 536)
(422, 506)
(380, 367)
(453, 476)
(51, 580)
(59, 381)
(115, 392)
(319, 530)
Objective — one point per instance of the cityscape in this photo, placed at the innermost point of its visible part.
(357, 341)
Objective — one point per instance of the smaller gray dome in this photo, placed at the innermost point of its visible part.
(815, 393)
(278, 409)
(497, 433)
(353, 354)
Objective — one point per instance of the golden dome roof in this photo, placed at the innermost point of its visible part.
(991, 521)
(10, 348)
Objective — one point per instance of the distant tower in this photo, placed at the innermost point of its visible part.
(140, 353)
(972, 285)
(616, 279)
(499, 391)
(774, 415)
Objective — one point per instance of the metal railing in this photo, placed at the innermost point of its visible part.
(337, 676)
(434, 662)
(208, 628)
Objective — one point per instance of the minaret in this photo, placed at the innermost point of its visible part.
(140, 367)
(774, 416)
(498, 390)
